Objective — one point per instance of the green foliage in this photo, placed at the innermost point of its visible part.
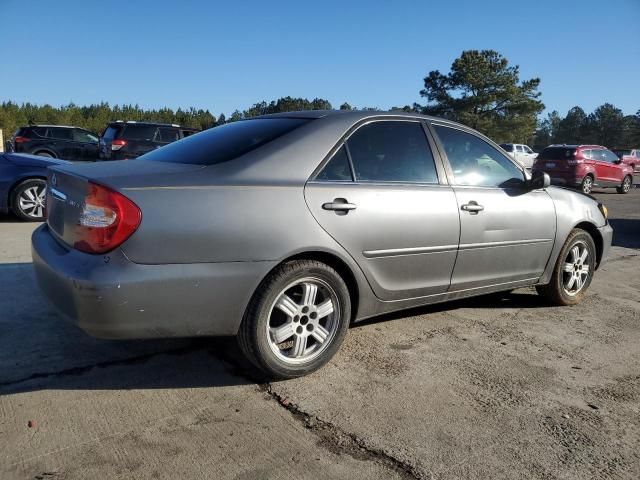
(606, 126)
(484, 92)
(95, 117)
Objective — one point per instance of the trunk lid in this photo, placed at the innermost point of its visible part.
(68, 187)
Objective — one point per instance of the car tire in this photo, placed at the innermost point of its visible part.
(573, 271)
(45, 154)
(587, 184)
(296, 320)
(625, 187)
(28, 198)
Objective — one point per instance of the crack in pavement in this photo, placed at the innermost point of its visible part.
(336, 440)
(105, 364)
(331, 437)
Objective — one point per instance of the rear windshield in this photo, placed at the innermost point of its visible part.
(507, 147)
(557, 153)
(226, 142)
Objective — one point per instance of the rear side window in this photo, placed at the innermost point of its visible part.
(557, 153)
(167, 135)
(226, 142)
(519, 149)
(110, 132)
(338, 169)
(60, 133)
(139, 132)
(392, 151)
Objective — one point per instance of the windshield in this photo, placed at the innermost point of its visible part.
(224, 143)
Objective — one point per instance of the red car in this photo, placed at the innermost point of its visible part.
(584, 167)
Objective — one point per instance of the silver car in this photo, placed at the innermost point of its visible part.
(284, 229)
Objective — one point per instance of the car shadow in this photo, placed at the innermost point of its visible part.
(41, 350)
(626, 232)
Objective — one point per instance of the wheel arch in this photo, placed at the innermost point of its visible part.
(335, 262)
(51, 152)
(20, 180)
(593, 231)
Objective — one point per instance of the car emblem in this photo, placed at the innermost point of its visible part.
(54, 180)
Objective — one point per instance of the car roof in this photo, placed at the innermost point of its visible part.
(562, 145)
(354, 115)
(51, 126)
(134, 122)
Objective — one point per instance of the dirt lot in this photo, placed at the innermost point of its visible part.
(485, 388)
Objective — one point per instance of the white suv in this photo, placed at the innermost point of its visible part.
(522, 153)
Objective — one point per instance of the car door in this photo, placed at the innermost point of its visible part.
(88, 144)
(62, 141)
(615, 167)
(605, 172)
(384, 198)
(506, 229)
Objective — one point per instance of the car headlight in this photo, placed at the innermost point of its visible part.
(604, 210)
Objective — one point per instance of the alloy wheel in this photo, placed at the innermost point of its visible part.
(31, 201)
(303, 320)
(576, 269)
(587, 185)
(626, 184)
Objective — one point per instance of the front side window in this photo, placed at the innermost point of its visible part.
(337, 169)
(527, 149)
(392, 151)
(637, 153)
(84, 136)
(475, 162)
(610, 157)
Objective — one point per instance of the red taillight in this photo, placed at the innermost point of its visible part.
(20, 139)
(118, 144)
(108, 218)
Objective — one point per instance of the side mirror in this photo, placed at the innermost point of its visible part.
(539, 180)
(618, 161)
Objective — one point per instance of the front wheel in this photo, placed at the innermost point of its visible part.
(626, 185)
(296, 320)
(573, 271)
(28, 199)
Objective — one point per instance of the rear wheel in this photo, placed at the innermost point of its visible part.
(574, 270)
(587, 184)
(626, 185)
(27, 200)
(45, 154)
(296, 320)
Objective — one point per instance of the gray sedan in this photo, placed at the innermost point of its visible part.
(284, 229)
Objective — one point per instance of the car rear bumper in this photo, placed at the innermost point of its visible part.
(109, 296)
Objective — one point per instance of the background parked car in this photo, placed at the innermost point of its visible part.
(630, 157)
(23, 184)
(522, 153)
(56, 141)
(584, 166)
(127, 140)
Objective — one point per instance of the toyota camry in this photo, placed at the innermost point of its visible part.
(285, 229)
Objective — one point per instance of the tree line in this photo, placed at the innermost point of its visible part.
(481, 90)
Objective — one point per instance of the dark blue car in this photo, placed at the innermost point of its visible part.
(23, 184)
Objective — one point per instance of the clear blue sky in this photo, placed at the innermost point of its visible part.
(228, 55)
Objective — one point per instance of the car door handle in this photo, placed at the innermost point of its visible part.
(339, 205)
(472, 207)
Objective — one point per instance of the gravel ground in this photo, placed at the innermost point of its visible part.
(492, 387)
